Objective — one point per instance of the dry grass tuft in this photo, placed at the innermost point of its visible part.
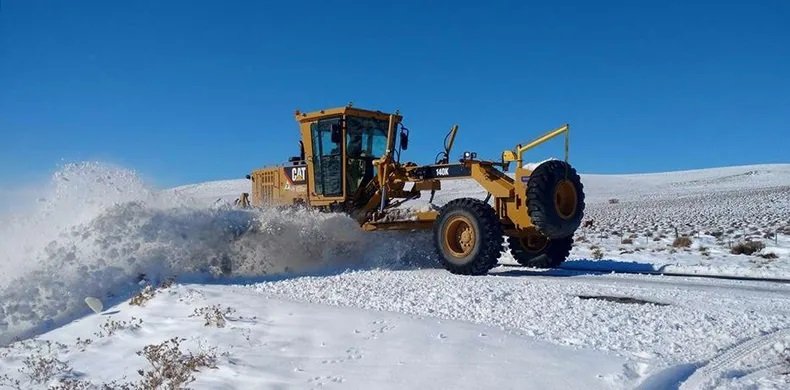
(747, 248)
(682, 242)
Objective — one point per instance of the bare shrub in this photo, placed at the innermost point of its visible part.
(614, 201)
(149, 292)
(214, 315)
(42, 369)
(111, 326)
(73, 384)
(597, 254)
(83, 343)
(769, 255)
(170, 367)
(627, 241)
(37, 369)
(11, 383)
(682, 242)
(143, 296)
(747, 248)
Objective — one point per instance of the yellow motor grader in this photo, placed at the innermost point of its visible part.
(349, 162)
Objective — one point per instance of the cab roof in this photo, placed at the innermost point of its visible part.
(347, 110)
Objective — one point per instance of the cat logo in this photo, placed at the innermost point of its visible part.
(442, 171)
(297, 174)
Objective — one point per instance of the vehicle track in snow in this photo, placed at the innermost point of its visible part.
(728, 360)
(646, 280)
(603, 271)
(700, 316)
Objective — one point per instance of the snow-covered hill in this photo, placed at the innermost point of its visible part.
(296, 299)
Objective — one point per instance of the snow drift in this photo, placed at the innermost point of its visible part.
(100, 231)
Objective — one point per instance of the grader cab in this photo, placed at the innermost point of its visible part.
(350, 161)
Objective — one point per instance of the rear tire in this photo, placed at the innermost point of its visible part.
(468, 237)
(551, 256)
(555, 199)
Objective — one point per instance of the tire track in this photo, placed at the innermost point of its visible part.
(728, 360)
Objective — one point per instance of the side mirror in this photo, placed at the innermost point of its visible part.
(404, 138)
(337, 133)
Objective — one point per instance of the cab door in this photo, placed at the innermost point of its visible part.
(327, 159)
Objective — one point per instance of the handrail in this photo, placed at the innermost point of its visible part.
(551, 134)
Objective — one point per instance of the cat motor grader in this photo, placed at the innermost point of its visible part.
(350, 162)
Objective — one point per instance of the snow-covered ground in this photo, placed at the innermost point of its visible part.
(296, 299)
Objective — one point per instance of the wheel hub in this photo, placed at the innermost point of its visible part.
(460, 237)
(565, 199)
(533, 242)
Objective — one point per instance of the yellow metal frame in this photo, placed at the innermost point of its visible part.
(509, 193)
(509, 155)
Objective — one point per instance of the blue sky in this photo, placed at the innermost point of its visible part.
(187, 91)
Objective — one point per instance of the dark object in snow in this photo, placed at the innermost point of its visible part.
(747, 248)
(621, 300)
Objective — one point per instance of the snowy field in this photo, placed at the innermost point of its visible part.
(295, 299)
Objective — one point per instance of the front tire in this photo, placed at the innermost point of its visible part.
(555, 199)
(468, 237)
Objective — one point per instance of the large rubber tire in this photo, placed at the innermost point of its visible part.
(552, 256)
(479, 237)
(555, 199)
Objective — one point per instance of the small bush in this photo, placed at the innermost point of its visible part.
(148, 293)
(769, 255)
(111, 326)
(597, 254)
(143, 296)
(11, 383)
(42, 369)
(682, 242)
(627, 241)
(73, 384)
(214, 315)
(170, 367)
(83, 343)
(614, 201)
(747, 248)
